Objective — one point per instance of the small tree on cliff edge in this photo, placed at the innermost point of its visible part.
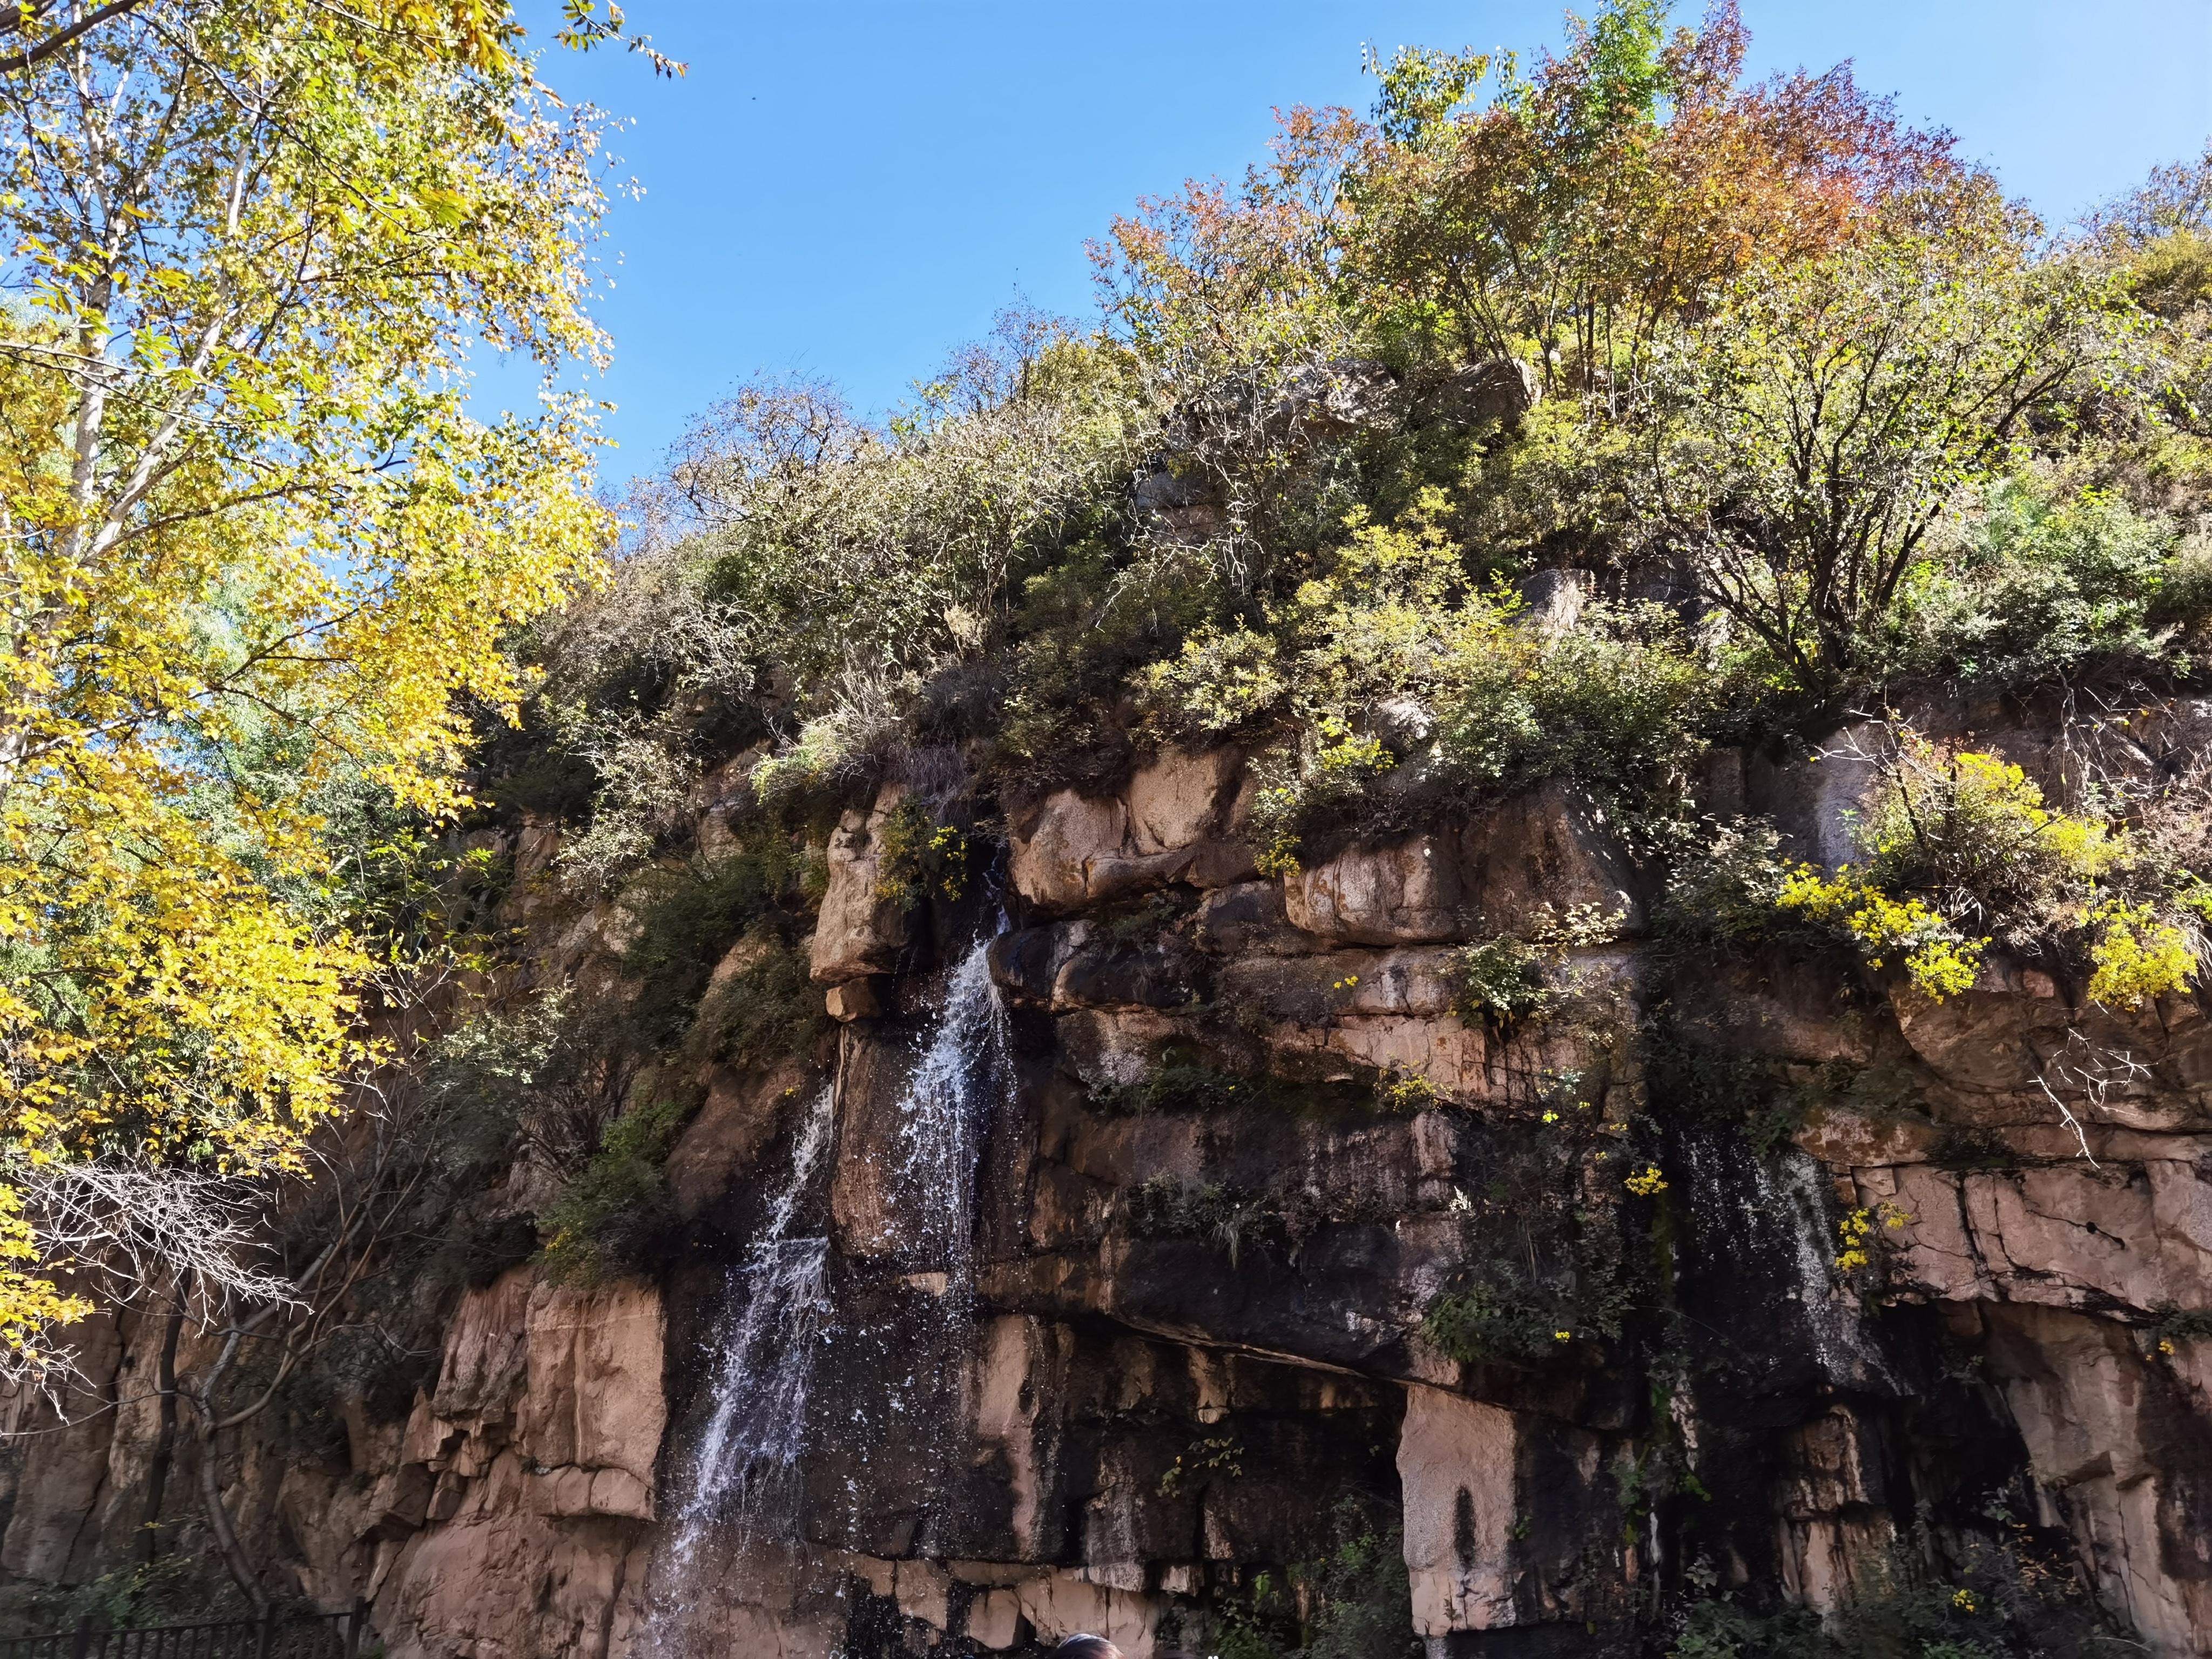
(251, 538)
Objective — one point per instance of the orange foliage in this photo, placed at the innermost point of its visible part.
(1575, 213)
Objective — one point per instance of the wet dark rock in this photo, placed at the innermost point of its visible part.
(1725, 1273)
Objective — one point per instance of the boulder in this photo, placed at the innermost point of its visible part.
(856, 999)
(1178, 820)
(1337, 398)
(1541, 853)
(1494, 389)
(858, 931)
(1404, 892)
(1177, 501)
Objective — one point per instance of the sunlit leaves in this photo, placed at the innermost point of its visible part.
(254, 537)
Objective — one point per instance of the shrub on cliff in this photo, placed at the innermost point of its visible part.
(801, 577)
(1393, 681)
(2037, 585)
(1547, 424)
(1956, 849)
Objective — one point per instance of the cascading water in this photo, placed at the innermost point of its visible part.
(779, 1303)
(911, 1332)
(1761, 1245)
(942, 1116)
(745, 1472)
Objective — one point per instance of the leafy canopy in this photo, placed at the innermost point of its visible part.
(251, 535)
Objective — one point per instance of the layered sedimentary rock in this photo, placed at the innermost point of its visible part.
(1237, 1163)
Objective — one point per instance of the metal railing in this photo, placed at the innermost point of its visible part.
(278, 1636)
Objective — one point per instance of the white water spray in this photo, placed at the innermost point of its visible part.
(748, 1453)
(745, 1472)
(963, 1068)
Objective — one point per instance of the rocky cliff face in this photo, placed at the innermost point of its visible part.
(1170, 1230)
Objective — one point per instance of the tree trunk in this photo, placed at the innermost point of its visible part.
(218, 1518)
(164, 1439)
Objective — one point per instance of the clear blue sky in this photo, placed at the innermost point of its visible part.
(852, 189)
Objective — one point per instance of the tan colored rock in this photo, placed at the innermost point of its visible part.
(856, 999)
(1451, 1058)
(858, 931)
(1456, 1463)
(1838, 1136)
(1177, 820)
(506, 1579)
(1406, 892)
(56, 1494)
(1178, 799)
(1830, 1560)
(1015, 1357)
(1053, 857)
(1538, 855)
(487, 1351)
(1834, 1527)
(995, 1619)
(2064, 1236)
(1060, 1604)
(923, 1589)
(2151, 1067)
(2102, 1434)
(594, 1398)
(722, 1144)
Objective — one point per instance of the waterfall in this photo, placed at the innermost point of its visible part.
(962, 1066)
(1761, 1246)
(748, 1453)
(745, 1472)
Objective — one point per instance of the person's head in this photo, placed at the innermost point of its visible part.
(1087, 1647)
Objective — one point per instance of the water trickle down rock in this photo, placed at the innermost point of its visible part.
(904, 1203)
(742, 1472)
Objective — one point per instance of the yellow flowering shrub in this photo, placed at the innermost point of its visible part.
(1955, 843)
(1937, 958)
(1856, 1233)
(2136, 956)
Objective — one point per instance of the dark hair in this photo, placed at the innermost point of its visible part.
(1087, 1647)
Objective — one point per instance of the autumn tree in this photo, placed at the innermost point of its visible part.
(1808, 433)
(1563, 214)
(1587, 204)
(253, 537)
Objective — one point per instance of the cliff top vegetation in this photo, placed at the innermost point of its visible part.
(1555, 419)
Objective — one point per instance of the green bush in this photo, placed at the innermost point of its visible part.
(1505, 980)
(2039, 585)
(1503, 1318)
(917, 856)
(1353, 1603)
(608, 1216)
(1501, 981)
(1394, 683)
